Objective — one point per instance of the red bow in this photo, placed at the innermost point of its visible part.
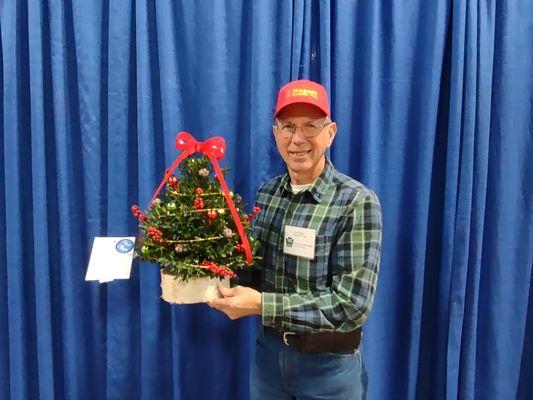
(214, 148)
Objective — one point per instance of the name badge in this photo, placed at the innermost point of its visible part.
(299, 242)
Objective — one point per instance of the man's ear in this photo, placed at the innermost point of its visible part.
(332, 131)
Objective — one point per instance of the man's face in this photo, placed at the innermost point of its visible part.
(304, 155)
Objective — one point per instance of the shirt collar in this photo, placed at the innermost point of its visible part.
(318, 187)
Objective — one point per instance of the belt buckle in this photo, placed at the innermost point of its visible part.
(285, 334)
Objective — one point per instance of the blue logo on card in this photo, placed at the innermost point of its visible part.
(124, 246)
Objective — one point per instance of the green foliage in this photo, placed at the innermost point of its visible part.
(189, 236)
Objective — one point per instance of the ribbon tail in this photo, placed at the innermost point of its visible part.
(236, 219)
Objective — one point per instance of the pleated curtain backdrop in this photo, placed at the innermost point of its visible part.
(433, 103)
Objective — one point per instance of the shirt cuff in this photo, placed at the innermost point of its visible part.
(272, 309)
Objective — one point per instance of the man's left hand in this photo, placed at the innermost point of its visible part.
(238, 301)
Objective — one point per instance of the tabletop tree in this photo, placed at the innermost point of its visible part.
(193, 234)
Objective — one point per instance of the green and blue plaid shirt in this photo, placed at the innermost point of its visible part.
(334, 291)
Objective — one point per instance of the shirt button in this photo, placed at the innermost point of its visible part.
(290, 211)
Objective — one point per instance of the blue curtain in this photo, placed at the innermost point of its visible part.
(433, 102)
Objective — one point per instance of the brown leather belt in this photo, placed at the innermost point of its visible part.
(320, 342)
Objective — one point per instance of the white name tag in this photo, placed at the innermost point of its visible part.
(299, 242)
(111, 259)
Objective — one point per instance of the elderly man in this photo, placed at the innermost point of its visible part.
(320, 233)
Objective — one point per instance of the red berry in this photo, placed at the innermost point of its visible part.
(155, 233)
(198, 203)
(239, 248)
(199, 191)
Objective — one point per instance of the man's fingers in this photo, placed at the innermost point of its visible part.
(219, 303)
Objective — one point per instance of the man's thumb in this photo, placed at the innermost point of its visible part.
(226, 292)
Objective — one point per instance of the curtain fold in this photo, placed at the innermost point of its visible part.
(433, 105)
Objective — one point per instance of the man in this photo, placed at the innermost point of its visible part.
(320, 233)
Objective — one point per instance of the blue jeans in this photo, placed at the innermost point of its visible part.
(281, 372)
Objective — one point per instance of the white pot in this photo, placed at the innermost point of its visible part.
(195, 290)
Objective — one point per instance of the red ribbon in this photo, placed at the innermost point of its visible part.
(214, 148)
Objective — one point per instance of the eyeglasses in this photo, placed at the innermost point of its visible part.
(309, 129)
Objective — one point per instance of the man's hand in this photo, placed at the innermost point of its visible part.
(238, 301)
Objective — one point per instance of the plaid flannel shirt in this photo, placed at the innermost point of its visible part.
(334, 291)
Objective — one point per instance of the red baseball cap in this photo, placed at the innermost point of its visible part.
(303, 91)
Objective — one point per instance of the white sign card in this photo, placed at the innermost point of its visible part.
(111, 258)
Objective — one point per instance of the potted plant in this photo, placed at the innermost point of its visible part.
(197, 230)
